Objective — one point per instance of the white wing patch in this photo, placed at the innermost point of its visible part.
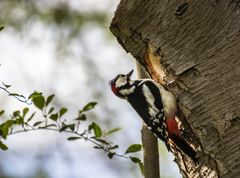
(150, 100)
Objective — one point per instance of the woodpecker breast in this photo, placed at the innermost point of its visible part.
(169, 102)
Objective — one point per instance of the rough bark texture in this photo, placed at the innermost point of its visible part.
(149, 142)
(200, 50)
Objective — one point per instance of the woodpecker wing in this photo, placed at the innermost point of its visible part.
(146, 100)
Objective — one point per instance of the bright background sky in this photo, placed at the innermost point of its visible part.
(29, 61)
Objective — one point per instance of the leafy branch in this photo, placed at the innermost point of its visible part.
(19, 97)
(52, 120)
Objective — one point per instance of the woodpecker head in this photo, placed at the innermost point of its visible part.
(121, 84)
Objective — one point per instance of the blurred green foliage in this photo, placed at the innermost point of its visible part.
(19, 13)
(59, 17)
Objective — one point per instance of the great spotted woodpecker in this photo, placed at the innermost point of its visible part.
(155, 105)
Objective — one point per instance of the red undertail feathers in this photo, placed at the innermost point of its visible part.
(175, 136)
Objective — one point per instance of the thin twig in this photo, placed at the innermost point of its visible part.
(20, 98)
(67, 131)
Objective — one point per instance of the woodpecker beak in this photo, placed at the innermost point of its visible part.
(111, 82)
(130, 73)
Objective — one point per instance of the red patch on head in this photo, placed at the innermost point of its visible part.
(114, 89)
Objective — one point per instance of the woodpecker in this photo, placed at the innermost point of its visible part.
(155, 105)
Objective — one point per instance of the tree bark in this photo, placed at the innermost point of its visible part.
(149, 142)
(199, 50)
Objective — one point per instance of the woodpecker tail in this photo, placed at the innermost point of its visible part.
(185, 147)
(179, 141)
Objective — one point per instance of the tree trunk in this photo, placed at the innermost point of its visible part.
(197, 46)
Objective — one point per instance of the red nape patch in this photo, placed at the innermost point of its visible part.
(114, 89)
(172, 127)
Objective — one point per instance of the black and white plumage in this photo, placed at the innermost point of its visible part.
(155, 105)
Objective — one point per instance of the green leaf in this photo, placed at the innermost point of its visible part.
(102, 141)
(97, 130)
(73, 138)
(37, 123)
(39, 101)
(19, 121)
(25, 111)
(14, 94)
(62, 111)
(98, 147)
(67, 126)
(133, 148)
(1, 112)
(49, 99)
(89, 106)
(113, 147)
(51, 110)
(34, 95)
(135, 159)
(111, 154)
(71, 126)
(54, 117)
(5, 85)
(113, 131)
(64, 127)
(30, 118)
(1, 28)
(3, 146)
(4, 128)
(81, 117)
(16, 113)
